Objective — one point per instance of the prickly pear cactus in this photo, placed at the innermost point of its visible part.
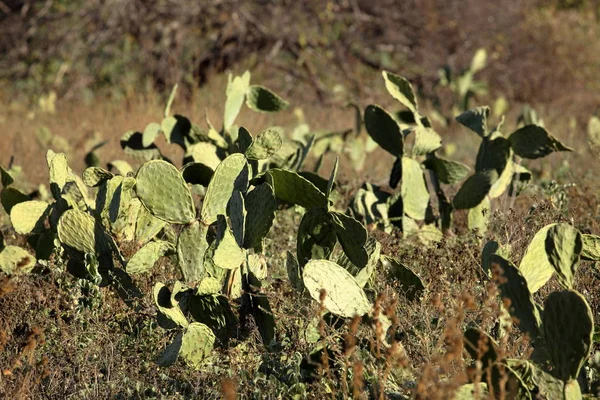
(15, 260)
(80, 231)
(191, 247)
(162, 190)
(343, 295)
(231, 174)
(28, 217)
(147, 256)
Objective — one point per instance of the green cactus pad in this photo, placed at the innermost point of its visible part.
(162, 299)
(535, 266)
(231, 174)
(197, 173)
(474, 189)
(261, 310)
(415, 196)
(59, 172)
(205, 153)
(316, 236)
(147, 256)
(513, 286)
(476, 120)
(95, 176)
(121, 167)
(214, 311)
(15, 260)
(396, 174)
(260, 212)
(384, 130)
(162, 190)
(447, 171)
(5, 177)
(563, 248)
(227, 254)
(401, 90)
(259, 98)
(293, 271)
(28, 217)
(10, 197)
(267, 143)
(331, 181)
(493, 154)
(363, 275)
(191, 247)
(236, 91)
(533, 141)
(208, 286)
(78, 230)
(568, 330)
(147, 226)
(177, 129)
(244, 140)
(410, 283)
(294, 189)
(236, 212)
(591, 247)
(426, 141)
(352, 235)
(479, 216)
(132, 145)
(151, 132)
(344, 296)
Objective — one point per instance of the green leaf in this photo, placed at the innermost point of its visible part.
(447, 171)
(568, 330)
(474, 190)
(563, 246)
(162, 190)
(533, 141)
(476, 120)
(426, 141)
(352, 235)
(401, 90)
(384, 130)
(231, 174)
(479, 61)
(343, 295)
(415, 195)
(29, 216)
(259, 98)
(145, 258)
(412, 286)
(267, 143)
(15, 260)
(535, 266)
(294, 189)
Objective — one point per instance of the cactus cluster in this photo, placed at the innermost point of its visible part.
(560, 329)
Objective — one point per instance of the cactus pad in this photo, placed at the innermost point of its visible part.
(384, 130)
(15, 260)
(259, 98)
(343, 295)
(162, 190)
(147, 256)
(29, 216)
